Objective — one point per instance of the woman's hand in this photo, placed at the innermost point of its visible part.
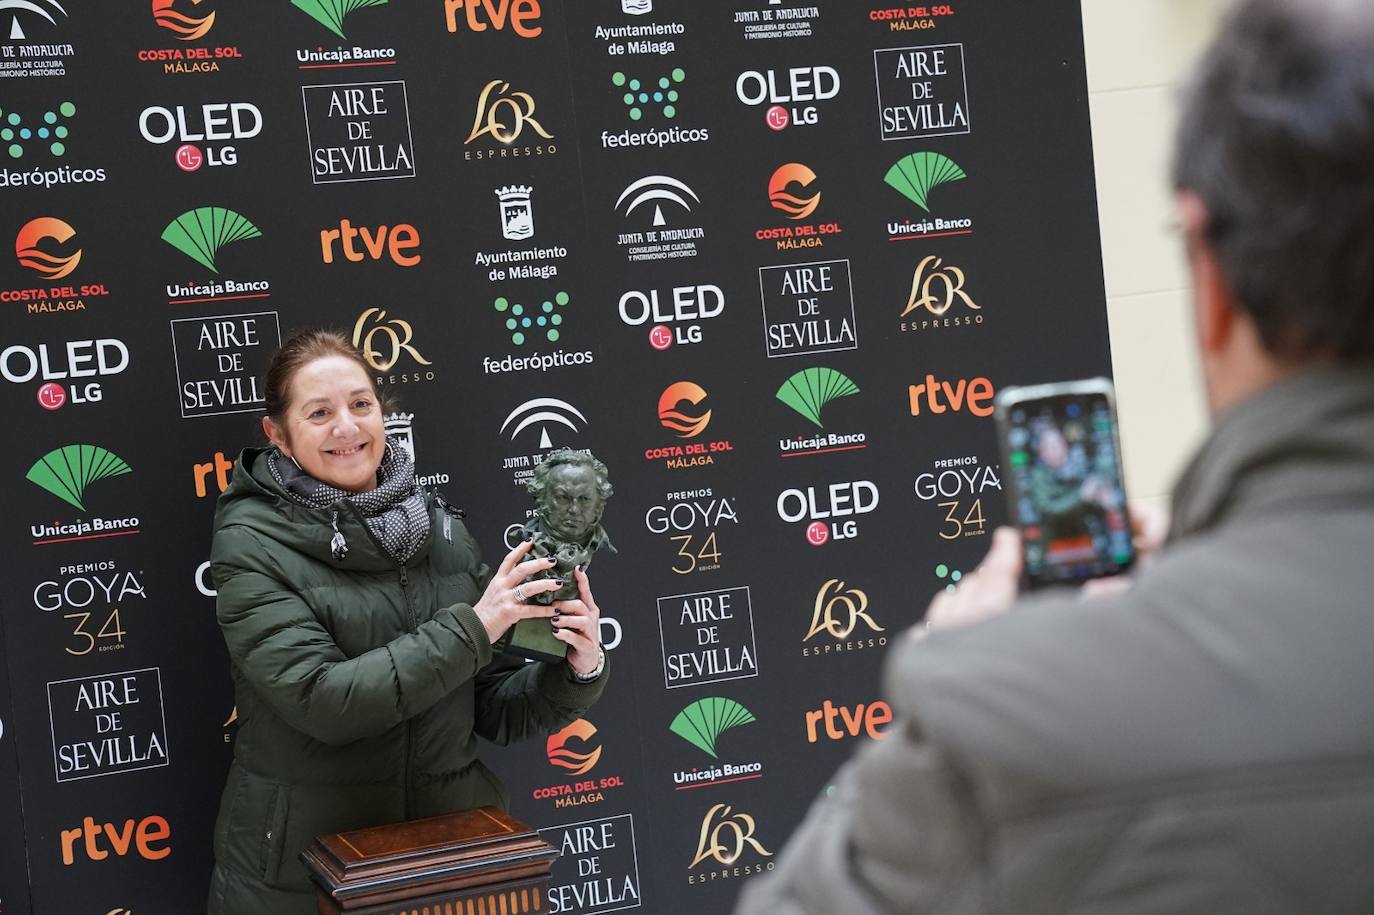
(504, 603)
(578, 623)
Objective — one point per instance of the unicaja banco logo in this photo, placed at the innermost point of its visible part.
(332, 13)
(702, 722)
(564, 758)
(672, 416)
(810, 390)
(916, 175)
(66, 472)
(36, 231)
(186, 28)
(202, 232)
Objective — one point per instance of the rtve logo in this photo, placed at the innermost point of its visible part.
(144, 837)
(398, 242)
(837, 722)
(483, 14)
(941, 396)
(221, 467)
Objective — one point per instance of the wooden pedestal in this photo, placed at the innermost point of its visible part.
(477, 862)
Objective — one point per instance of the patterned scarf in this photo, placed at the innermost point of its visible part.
(395, 511)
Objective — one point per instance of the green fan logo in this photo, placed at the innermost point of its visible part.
(67, 471)
(706, 719)
(810, 390)
(331, 13)
(202, 232)
(916, 175)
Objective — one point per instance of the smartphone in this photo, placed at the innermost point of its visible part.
(1061, 461)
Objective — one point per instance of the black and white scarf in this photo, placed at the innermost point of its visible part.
(395, 510)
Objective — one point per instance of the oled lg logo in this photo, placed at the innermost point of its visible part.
(787, 91)
(203, 133)
(73, 360)
(824, 509)
(675, 322)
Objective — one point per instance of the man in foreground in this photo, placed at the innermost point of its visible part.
(1204, 741)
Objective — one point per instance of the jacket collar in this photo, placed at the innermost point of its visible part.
(1302, 443)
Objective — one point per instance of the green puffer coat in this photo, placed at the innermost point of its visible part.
(362, 686)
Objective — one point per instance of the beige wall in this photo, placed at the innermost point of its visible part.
(1138, 51)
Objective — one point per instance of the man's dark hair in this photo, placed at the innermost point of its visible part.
(1277, 139)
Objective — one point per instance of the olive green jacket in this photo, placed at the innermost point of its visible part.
(362, 685)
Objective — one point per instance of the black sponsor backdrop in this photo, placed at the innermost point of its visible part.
(636, 827)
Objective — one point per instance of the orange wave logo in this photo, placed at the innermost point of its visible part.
(563, 758)
(187, 28)
(30, 255)
(680, 421)
(795, 207)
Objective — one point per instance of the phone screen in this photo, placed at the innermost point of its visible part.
(1067, 491)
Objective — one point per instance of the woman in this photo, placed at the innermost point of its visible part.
(359, 620)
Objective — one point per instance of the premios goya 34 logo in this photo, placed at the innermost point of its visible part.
(956, 486)
(701, 724)
(808, 392)
(48, 246)
(916, 177)
(92, 598)
(67, 473)
(692, 519)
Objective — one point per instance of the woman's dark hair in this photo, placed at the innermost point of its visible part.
(302, 348)
(1277, 139)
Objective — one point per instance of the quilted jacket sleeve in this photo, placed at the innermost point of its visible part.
(292, 662)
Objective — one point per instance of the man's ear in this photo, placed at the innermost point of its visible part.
(1214, 304)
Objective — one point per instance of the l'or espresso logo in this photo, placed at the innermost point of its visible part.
(89, 599)
(794, 191)
(34, 49)
(541, 423)
(66, 473)
(838, 722)
(807, 308)
(771, 20)
(789, 94)
(674, 316)
(388, 342)
(107, 724)
(337, 18)
(201, 234)
(576, 751)
(517, 17)
(956, 487)
(682, 410)
(701, 724)
(59, 370)
(186, 22)
(691, 521)
(48, 247)
(658, 211)
(824, 509)
(94, 841)
(840, 622)
(219, 359)
(597, 868)
(910, 18)
(939, 298)
(935, 396)
(922, 91)
(726, 838)
(807, 393)
(915, 177)
(504, 116)
(707, 637)
(358, 132)
(206, 135)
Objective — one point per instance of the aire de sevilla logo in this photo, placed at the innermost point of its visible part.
(27, 247)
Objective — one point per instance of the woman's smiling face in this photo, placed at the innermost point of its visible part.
(332, 426)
